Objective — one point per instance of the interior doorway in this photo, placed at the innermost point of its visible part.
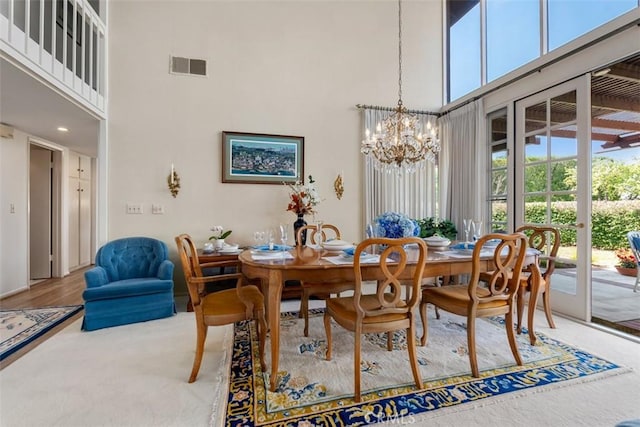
(40, 214)
(44, 211)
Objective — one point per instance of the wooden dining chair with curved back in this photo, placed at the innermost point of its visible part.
(547, 241)
(389, 309)
(321, 290)
(244, 302)
(496, 296)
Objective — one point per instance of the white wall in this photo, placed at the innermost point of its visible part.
(276, 67)
(14, 178)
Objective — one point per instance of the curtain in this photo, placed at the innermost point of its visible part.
(413, 194)
(464, 159)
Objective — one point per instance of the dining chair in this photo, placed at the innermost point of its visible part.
(547, 241)
(389, 309)
(634, 243)
(244, 302)
(492, 297)
(321, 290)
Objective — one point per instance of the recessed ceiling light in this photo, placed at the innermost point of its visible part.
(63, 129)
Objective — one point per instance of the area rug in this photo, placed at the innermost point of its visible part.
(313, 391)
(20, 327)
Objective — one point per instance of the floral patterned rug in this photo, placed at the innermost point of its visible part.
(20, 327)
(313, 391)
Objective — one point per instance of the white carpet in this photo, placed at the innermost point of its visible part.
(136, 375)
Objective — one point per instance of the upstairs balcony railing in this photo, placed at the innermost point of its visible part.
(62, 41)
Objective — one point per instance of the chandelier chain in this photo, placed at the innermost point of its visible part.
(399, 142)
(399, 52)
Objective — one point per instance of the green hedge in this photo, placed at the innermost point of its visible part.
(610, 221)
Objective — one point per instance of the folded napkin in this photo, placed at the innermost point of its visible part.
(352, 251)
(275, 247)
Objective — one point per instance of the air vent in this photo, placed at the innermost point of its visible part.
(195, 67)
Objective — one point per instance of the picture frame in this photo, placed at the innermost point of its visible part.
(256, 158)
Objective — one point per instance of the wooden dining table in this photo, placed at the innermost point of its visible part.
(309, 264)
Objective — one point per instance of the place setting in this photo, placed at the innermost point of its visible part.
(266, 248)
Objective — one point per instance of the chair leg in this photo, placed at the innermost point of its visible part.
(201, 335)
(327, 329)
(471, 343)
(423, 317)
(389, 340)
(304, 310)
(508, 323)
(520, 304)
(261, 322)
(356, 366)
(546, 300)
(413, 359)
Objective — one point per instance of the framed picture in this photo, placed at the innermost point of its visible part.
(262, 159)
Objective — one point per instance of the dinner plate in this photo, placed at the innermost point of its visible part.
(337, 245)
(437, 245)
(229, 250)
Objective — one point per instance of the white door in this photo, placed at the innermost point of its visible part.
(40, 212)
(552, 158)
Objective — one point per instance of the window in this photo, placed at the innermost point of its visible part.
(497, 128)
(513, 31)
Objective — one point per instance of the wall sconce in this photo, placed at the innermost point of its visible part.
(338, 186)
(173, 181)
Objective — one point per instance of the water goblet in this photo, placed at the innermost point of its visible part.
(467, 229)
(318, 237)
(270, 237)
(477, 229)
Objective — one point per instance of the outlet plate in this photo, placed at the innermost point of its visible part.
(157, 209)
(134, 208)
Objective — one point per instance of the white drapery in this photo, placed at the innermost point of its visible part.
(463, 181)
(413, 194)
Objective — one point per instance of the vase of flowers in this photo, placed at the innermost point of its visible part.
(302, 201)
(395, 225)
(219, 234)
(627, 264)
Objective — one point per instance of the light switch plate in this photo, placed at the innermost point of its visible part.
(134, 208)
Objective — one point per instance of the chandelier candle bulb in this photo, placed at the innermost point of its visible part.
(172, 171)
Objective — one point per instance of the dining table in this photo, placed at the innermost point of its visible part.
(306, 263)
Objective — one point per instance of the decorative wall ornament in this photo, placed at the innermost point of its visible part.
(338, 186)
(173, 182)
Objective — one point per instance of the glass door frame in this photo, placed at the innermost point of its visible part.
(577, 305)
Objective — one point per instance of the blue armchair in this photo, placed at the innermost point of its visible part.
(131, 282)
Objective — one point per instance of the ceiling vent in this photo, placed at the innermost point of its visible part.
(195, 67)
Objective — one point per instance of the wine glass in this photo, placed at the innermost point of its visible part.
(284, 236)
(477, 229)
(258, 236)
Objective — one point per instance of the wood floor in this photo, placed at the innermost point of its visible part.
(52, 292)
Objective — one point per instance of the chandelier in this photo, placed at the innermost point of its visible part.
(399, 142)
